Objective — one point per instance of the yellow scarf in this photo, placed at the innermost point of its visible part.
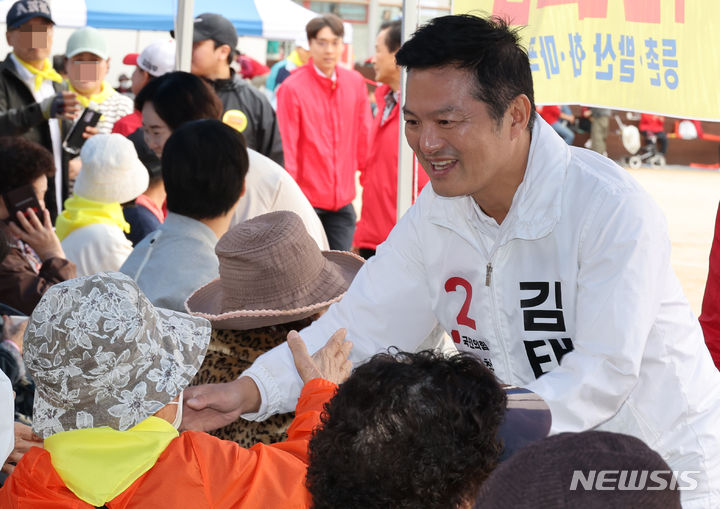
(46, 73)
(97, 464)
(80, 212)
(295, 58)
(105, 91)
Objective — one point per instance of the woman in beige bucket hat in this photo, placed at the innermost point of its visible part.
(273, 279)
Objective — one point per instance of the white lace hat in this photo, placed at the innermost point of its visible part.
(102, 355)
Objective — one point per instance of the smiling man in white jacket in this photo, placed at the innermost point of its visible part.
(548, 262)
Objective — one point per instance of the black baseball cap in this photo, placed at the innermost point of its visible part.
(215, 27)
(25, 10)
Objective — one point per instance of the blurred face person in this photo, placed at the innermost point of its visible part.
(303, 54)
(39, 185)
(210, 61)
(325, 50)
(32, 41)
(386, 71)
(138, 80)
(86, 72)
(156, 131)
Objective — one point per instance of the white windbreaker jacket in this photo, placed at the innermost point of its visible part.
(578, 272)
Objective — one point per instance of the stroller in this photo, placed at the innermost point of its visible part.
(648, 154)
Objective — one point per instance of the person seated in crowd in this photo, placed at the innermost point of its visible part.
(92, 227)
(652, 128)
(110, 371)
(169, 101)
(7, 428)
(204, 164)
(422, 429)
(145, 213)
(559, 118)
(273, 279)
(155, 60)
(12, 364)
(87, 66)
(35, 259)
(591, 470)
(22, 385)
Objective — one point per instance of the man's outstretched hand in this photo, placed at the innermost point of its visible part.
(211, 406)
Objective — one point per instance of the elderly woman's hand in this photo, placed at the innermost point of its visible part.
(330, 362)
(38, 233)
(24, 440)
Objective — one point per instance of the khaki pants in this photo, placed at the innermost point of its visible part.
(598, 134)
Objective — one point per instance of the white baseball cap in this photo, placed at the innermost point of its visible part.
(302, 42)
(156, 59)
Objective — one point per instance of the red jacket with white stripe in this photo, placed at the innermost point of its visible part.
(379, 180)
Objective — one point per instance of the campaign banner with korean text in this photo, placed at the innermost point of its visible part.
(656, 56)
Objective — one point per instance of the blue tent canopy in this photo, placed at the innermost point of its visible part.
(159, 15)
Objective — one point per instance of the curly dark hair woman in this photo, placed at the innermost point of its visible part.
(408, 430)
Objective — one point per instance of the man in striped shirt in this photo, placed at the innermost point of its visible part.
(87, 65)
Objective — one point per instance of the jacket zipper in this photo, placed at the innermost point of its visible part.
(493, 313)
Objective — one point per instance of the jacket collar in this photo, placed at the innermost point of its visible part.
(381, 93)
(325, 82)
(225, 84)
(184, 226)
(8, 67)
(537, 203)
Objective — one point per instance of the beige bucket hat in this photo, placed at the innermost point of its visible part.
(271, 272)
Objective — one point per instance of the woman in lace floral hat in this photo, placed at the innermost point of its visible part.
(110, 370)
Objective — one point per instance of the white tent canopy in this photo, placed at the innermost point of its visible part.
(270, 19)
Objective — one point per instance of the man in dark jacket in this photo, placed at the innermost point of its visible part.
(245, 108)
(32, 101)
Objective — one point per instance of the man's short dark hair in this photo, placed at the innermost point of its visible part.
(23, 162)
(326, 20)
(393, 37)
(179, 97)
(488, 48)
(233, 52)
(407, 430)
(204, 163)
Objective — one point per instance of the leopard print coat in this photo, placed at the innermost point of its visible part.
(230, 353)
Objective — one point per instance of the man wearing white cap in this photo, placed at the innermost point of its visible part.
(87, 65)
(282, 69)
(155, 60)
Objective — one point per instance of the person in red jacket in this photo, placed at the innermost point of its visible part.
(653, 128)
(379, 179)
(110, 370)
(324, 116)
(710, 315)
